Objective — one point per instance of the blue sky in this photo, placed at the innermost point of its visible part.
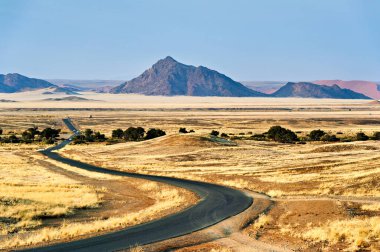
(244, 39)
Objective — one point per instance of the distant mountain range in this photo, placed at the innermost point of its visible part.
(13, 82)
(311, 90)
(368, 88)
(169, 77)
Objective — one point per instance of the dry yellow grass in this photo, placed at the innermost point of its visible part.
(136, 249)
(348, 171)
(221, 249)
(281, 169)
(358, 232)
(29, 192)
(371, 207)
(262, 221)
(166, 197)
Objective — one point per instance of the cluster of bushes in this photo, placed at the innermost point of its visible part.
(320, 135)
(184, 131)
(216, 133)
(137, 134)
(89, 136)
(47, 135)
(283, 135)
(130, 134)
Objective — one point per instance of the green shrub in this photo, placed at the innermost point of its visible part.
(282, 135)
(118, 133)
(134, 134)
(224, 135)
(361, 136)
(183, 130)
(214, 133)
(315, 135)
(153, 133)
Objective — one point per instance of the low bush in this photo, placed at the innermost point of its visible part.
(118, 133)
(224, 135)
(361, 136)
(214, 133)
(282, 135)
(183, 130)
(153, 133)
(134, 134)
(315, 135)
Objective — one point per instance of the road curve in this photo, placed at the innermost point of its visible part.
(216, 203)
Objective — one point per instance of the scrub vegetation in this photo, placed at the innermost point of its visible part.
(320, 164)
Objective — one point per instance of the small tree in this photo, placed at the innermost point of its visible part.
(282, 135)
(1, 131)
(78, 139)
(33, 131)
(361, 137)
(13, 139)
(134, 134)
(224, 135)
(153, 133)
(118, 133)
(315, 135)
(214, 133)
(183, 130)
(99, 137)
(49, 135)
(27, 136)
(88, 134)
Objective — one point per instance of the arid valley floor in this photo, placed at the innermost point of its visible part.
(316, 196)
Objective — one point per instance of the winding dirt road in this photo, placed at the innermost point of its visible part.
(216, 204)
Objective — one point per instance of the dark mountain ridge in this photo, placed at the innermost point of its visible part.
(311, 90)
(169, 77)
(14, 82)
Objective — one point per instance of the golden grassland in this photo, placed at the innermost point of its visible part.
(342, 171)
(32, 196)
(348, 169)
(300, 173)
(29, 192)
(326, 195)
(165, 197)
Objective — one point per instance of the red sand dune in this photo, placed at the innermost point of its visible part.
(365, 87)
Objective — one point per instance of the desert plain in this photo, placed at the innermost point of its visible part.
(314, 196)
